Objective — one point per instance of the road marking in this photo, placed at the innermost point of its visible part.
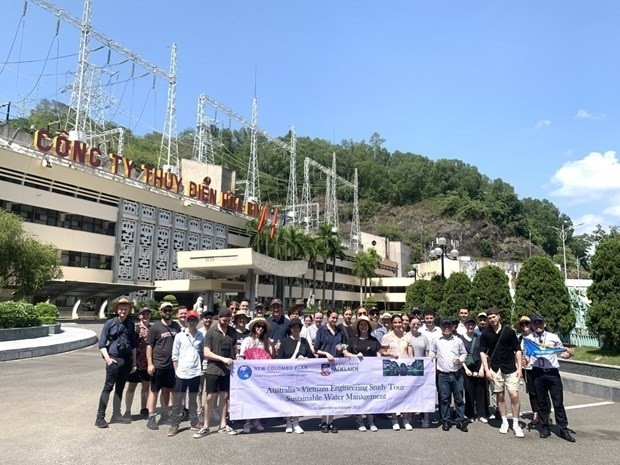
(597, 404)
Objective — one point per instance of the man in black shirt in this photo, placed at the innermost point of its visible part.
(159, 342)
(279, 324)
(500, 354)
(118, 349)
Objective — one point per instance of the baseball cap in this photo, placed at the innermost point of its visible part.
(224, 313)
(192, 314)
(275, 302)
(536, 318)
(165, 305)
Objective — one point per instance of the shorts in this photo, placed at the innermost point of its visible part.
(163, 378)
(217, 383)
(509, 381)
(139, 376)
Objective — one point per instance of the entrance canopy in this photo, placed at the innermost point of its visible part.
(87, 289)
(227, 263)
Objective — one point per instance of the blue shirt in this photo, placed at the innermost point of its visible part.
(327, 342)
(119, 338)
(279, 328)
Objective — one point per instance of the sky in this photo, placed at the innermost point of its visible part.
(525, 90)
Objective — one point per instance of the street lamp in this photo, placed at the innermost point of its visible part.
(439, 252)
(414, 272)
(563, 235)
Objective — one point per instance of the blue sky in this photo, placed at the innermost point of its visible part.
(525, 90)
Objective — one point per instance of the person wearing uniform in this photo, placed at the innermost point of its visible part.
(546, 376)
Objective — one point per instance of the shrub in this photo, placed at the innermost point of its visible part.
(17, 315)
(47, 313)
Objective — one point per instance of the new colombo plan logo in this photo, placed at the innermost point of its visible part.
(244, 372)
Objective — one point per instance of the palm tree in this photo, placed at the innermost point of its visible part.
(292, 245)
(311, 252)
(330, 246)
(365, 266)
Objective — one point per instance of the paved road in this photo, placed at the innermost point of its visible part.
(48, 407)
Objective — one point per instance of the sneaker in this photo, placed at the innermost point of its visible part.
(504, 428)
(333, 429)
(227, 430)
(289, 427)
(298, 429)
(373, 428)
(483, 420)
(101, 423)
(172, 431)
(152, 424)
(195, 426)
(201, 433)
(259, 426)
(127, 415)
(144, 412)
(395, 425)
(163, 419)
(247, 428)
(120, 419)
(408, 426)
(324, 428)
(425, 424)
(361, 427)
(518, 431)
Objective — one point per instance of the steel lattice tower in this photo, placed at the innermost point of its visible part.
(203, 141)
(252, 188)
(169, 149)
(355, 222)
(78, 107)
(305, 195)
(291, 195)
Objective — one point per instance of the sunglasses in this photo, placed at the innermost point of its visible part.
(261, 327)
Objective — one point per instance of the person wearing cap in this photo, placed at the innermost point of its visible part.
(449, 352)
(547, 379)
(187, 354)
(524, 328)
(476, 391)
(455, 325)
(463, 316)
(500, 354)
(240, 320)
(297, 348)
(159, 342)
(117, 345)
(483, 323)
(259, 310)
(382, 327)
(279, 324)
(257, 339)
(220, 350)
(141, 375)
(363, 345)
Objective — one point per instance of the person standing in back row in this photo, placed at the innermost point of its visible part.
(500, 354)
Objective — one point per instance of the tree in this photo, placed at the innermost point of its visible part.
(434, 293)
(604, 314)
(365, 267)
(416, 294)
(456, 295)
(490, 290)
(25, 263)
(541, 290)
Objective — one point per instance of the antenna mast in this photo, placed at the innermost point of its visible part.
(78, 108)
(291, 195)
(252, 189)
(169, 149)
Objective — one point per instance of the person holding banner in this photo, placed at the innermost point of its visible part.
(394, 344)
(363, 344)
(296, 348)
(450, 353)
(330, 343)
(541, 351)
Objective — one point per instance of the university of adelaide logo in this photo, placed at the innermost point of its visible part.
(244, 372)
(326, 369)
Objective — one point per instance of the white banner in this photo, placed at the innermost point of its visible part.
(281, 388)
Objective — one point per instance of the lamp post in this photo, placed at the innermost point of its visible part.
(439, 252)
(413, 273)
(563, 235)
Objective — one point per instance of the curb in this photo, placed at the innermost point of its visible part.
(594, 387)
(70, 339)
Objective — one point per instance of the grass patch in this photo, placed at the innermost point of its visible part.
(591, 354)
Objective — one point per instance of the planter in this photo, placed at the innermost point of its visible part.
(14, 334)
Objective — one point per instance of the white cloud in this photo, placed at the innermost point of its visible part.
(590, 221)
(594, 176)
(585, 114)
(542, 124)
(614, 206)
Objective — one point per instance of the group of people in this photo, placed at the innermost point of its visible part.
(473, 357)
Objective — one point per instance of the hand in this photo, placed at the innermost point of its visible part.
(228, 361)
(301, 357)
(490, 375)
(151, 369)
(481, 372)
(109, 361)
(134, 369)
(519, 374)
(468, 372)
(330, 357)
(456, 361)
